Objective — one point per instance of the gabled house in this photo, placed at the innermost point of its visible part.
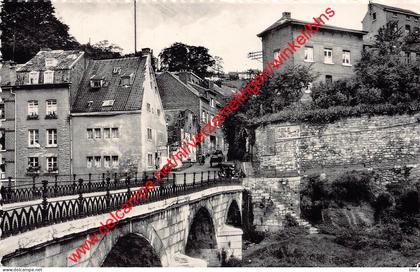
(183, 91)
(332, 51)
(117, 117)
(45, 87)
(378, 15)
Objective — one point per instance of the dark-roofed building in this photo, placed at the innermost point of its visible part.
(7, 119)
(117, 117)
(379, 15)
(183, 91)
(332, 51)
(45, 87)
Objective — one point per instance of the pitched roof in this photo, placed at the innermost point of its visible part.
(64, 60)
(395, 9)
(126, 98)
(282, 22)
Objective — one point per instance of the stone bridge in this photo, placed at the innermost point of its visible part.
(184, 225)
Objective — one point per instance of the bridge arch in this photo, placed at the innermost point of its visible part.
(233, 214)
(201, 240)
(143, 232)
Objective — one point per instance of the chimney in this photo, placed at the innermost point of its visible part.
(286, 15)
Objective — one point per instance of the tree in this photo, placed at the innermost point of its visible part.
(281, 90)
(278, 92)
(182, 57)
(29, 26)
(102, 50)
(218, 66)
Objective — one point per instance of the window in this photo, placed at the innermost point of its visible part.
(148, 107)
(416, 19)
(115, 133)
(107, 133)
(158, 112)
(51, 107)
(346, 57)
(48, 76)
(107, 161)
(407, 17)
(52, 164)
(116, 70)
(51, 137)
(374, 16)
(328, 56)
(277, 54)
(50, 62)
(97, 133)
(212, 104)
(407, 29)
(89, 162)
(97, 161)
(33, 77)
(33, 138)
(203, 117)
(33, 162)
(407, 57)
(2, 139)
(2, 115)
(149, 159)
(149, 134)
(33, 108)
(309, 54)
(90, 133)
(115, 162)
(107, 103)
(328, 79)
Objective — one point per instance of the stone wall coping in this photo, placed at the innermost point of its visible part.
(49, 233)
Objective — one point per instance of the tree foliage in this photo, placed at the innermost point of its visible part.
(102, 50)
(277, 92)
(383, 75)
(183, 57)
(29, 26)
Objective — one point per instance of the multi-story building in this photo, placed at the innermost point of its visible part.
(185, 90)
(45, 87)
(378, 15)
(331, 52)
(7, 119)
(117, 117)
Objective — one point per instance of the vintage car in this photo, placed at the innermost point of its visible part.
(216, 157)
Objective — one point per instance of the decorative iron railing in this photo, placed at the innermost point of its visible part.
(68, 185)
(22, 219)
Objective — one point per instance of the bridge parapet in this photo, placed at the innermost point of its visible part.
(24, 218)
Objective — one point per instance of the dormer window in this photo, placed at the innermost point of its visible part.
(89, 104)
(50, 62)
(33, 77)
(96, 82)
(127, 79)
(107, 103)
(48, 76)
(116, 70)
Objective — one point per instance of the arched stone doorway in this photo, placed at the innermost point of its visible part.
(201, 241)
(132, 250)
(233, 216)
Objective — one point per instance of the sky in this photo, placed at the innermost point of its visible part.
(227, 27)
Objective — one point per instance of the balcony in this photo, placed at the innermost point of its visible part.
(33, 116)
(51, 115)
(33, 170)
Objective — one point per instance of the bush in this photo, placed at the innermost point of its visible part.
(353, 187)
(290, 221)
